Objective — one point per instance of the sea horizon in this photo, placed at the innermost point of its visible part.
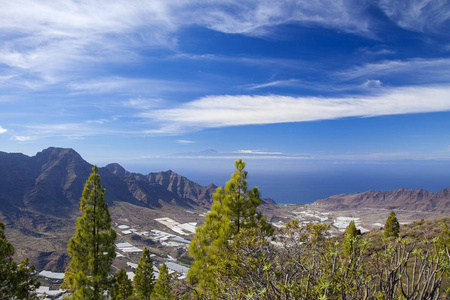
(307, 187)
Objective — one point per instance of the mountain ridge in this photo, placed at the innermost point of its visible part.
(399, 199)
(51, 182)
(39, 199)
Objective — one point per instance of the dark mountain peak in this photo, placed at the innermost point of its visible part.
(116, 169)
(52, 155)
(56, 151)
(268, 202)
(212, 186)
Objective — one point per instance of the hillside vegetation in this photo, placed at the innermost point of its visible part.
(239, 256)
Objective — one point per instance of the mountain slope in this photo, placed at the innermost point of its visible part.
(51, 183)
(39, 199)
(400, 199)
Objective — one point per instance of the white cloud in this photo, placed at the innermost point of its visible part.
(141, 103)
(258, 17)
(258, 152)
(283, 83)
(2, 130)
(374, 83)
(426, 70)
(185, 142)
(125, 85)
(223, 111)
(418, 15)
(20, 138)
(75, 130)
(48, 38)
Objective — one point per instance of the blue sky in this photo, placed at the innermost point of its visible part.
(284, 84)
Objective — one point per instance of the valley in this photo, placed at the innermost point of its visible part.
(39, 199)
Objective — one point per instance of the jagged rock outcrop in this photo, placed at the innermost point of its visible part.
(400, 199)
(183, 187)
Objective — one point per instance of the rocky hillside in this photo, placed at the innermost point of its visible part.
(400, 199)
(39, 199)
(155, 189)
(51, 183)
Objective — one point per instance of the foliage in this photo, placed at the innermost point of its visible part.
(349, 238)
(144, 280)
(123, 287)
(162, 289)
(15, 281)
(392, 227)
(7, 265)
(92, 248)
(304, 263)
(233, 210)
(26, 283)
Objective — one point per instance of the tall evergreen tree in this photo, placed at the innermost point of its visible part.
(16, 282)
(123, 287)
(144, 280)
(239, 202)
(26, 283)
(8, 266)
(162, 290)
(233, 209)
(92, 248)
(392, 227)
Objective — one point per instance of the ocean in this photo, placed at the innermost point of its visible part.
(300, 182)
(306, 187)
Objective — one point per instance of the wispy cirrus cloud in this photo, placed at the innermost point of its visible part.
(257, 152)
(257, 18)
(143, 103)
(45, 39)
(425, 70)
(370, 76)
(185, 142)
(21, 138)
(125, 85)
(2, 130)
(279, 83)
(72, 130)
(224, 111)
(418, 15)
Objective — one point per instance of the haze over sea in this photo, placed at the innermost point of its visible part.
(294, 182)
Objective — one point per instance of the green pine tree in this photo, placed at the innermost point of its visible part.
(16, 282)
(8, 266)
(144, 280)
(392, 227)
(162, 289)
(239, 202)
(209, 245)
(233, 209)
(123, 287)
(349, 238)
(26, 283)
(92, 248)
